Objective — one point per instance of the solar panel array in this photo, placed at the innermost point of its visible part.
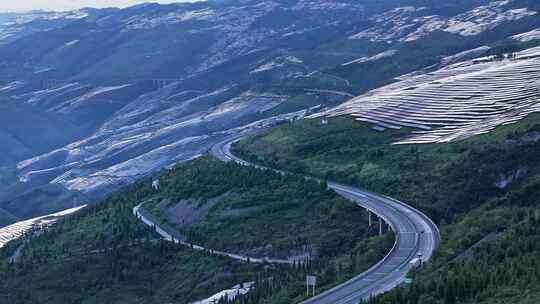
(455, 102)
(18, 229)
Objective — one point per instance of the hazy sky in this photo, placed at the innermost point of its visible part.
(25, 5)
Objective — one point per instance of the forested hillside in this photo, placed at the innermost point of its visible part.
(257, 213)
(483, 192)
(104, 254)
(502, 267)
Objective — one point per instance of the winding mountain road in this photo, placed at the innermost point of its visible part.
(415, 236)
(179, 239)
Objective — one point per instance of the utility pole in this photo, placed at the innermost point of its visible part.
(369, 217)
(380, 227)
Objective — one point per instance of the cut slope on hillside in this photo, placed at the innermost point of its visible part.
(257, 213)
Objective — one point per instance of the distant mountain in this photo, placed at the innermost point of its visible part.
(17, 25)
(93, 99)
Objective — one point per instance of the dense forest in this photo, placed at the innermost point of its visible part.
(504, 268)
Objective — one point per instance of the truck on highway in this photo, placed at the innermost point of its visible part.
(416, 262)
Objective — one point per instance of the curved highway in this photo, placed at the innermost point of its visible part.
(179, 239)
(415, 236)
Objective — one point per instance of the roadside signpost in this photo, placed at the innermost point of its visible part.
(408, 281)
(311, 281)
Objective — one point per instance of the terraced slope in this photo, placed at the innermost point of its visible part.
(456, 102)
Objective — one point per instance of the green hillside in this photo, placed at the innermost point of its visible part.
(483, 192)
(257, 213)
(105, 255)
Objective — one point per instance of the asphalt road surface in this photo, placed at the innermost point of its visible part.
(416, 236)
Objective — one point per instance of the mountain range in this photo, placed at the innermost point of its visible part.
(94, 99)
